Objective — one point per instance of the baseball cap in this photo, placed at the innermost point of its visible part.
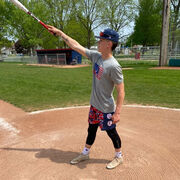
(109, 34)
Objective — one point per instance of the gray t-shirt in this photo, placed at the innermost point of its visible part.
(106, 73)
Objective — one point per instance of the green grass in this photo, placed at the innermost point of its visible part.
(138, 63)
(149, 86)
(153, 87)
(34, 88)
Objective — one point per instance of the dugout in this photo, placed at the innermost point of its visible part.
(58, 56)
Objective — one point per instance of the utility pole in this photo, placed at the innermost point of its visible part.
(164, 36)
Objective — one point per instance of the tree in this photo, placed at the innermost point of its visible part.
(129, 40)
(147, 30)
(118, 14)
(2, 18)
(89, 14)
(19, 47)
(31, 34)
(58, 15)
(4, 42)
(74, 29)
(22, 27)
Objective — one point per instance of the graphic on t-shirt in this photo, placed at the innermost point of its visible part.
(98, 71)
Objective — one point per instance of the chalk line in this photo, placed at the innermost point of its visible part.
(5, 125)
(57, 109)
(77, 107)
(153, 107)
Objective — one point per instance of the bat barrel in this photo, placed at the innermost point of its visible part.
(21, 6)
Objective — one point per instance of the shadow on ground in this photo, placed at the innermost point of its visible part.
(59, 156)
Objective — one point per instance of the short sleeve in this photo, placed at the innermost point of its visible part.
(92, 55)
(117, 75)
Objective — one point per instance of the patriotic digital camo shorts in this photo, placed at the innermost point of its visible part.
(103, 119)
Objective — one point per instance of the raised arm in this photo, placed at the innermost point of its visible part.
(68, 40)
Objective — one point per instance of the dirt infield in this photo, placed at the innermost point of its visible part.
(167, 68)
(60, 66)
(66, 66)
(39, 146)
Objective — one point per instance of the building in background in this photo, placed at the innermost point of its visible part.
(58, 56)
(6, 51)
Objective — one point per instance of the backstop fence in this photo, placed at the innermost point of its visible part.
(174, 39)
(138, 52)
(57, 59)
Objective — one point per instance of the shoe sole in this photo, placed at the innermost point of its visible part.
(113, 167)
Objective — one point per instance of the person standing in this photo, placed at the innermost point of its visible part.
(107, 74)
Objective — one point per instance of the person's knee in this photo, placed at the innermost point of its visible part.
(112, 133)
(115, 138)
(92, 128)
(91, 134)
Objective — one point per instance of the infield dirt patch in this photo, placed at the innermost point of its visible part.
(60, 66)
(66, 66)
(46, 142)
(172, 68)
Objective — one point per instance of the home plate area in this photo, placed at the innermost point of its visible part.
(39, 146)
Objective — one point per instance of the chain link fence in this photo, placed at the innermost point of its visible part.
(52, 59)
(138, 52)
(56, 59)
(135, 53)
(174, 41)
(21, 59)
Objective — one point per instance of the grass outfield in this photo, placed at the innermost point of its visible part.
(34, 88)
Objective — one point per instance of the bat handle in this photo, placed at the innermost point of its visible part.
(46, 27)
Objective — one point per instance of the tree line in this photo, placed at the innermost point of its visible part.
(79, 19)
(148, 23)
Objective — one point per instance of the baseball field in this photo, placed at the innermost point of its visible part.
(43, 124)
(33, 88)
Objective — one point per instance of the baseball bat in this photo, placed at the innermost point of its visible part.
(22, 7)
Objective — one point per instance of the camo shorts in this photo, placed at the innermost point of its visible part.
(103, 119)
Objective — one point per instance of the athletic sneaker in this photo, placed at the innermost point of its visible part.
(114, 163)
(80, 158)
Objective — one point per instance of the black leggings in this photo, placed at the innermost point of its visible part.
(92, 129)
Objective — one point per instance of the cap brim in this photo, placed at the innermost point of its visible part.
(99, 37)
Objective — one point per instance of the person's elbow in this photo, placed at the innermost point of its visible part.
(120, 89)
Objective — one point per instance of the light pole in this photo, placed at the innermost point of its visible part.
(164, 36)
